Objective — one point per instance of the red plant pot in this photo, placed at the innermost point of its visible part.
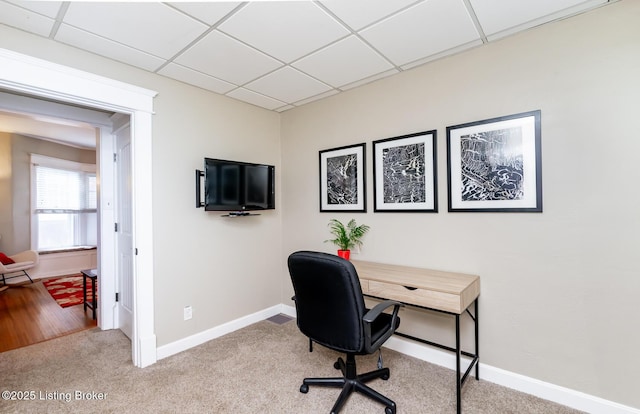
(345, 254)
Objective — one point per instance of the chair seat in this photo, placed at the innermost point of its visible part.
(22, 262)
(17, 267)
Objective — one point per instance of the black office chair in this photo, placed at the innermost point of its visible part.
(331, 312)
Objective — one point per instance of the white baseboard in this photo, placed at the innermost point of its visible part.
(561, 395)
(146, 347)
(551, 392)
(218, 331)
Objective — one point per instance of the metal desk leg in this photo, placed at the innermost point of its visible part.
(458, 379)
(477, 323)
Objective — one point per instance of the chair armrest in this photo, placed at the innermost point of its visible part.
(26, 256)
(372, 315)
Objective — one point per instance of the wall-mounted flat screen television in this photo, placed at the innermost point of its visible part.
(238, 186)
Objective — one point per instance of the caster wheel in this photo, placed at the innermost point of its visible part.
(304, 388)
(390, 410)
(336, 365)
(385, 377)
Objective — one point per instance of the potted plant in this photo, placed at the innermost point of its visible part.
(346, 237)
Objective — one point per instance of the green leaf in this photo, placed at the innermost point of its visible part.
(347, 237)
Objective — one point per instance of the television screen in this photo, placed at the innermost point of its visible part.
(238, 186)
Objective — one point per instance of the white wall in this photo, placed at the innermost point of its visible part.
(559, 289)
(224, 269)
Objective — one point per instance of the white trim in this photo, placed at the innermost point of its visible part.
(107, 312)
(33, 76)
(218, 331)
(551, 392)
(22, 73)
(80, 218)
(141, 172)
(61, 164)
(561, 395)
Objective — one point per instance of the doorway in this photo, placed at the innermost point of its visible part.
(27, 75)
(66, 139)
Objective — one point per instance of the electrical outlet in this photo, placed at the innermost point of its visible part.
(188, 313)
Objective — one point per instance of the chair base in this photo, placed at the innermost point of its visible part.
(4, 279)
(350, 382)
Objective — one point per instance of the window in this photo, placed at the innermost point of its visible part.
(64, 195)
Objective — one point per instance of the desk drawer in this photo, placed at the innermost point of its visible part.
(428, 298)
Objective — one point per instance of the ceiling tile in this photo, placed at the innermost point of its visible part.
(47, 8)
(192, 77)
(209, 13)
(423, 30)
(343, 62)
(220, 56)
(284, 30)
(255, 98)
(23, 19)
(288, 85)
(151, 27)
(104, 47)
(281, 54)
(499, 15)
(360, 13)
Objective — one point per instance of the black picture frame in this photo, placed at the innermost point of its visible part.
(342, 179)
(495, 165)
(405, 173)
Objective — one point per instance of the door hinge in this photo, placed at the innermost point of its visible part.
(117, 296)
(115, 157)
(115, 227)
(136, 251)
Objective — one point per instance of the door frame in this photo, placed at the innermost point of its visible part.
(37, 77)
(120, 122)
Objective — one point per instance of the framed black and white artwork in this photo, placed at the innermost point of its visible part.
(342, 179)
(495, 165)
(404, 173)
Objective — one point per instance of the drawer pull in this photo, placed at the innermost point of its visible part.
(410, 288)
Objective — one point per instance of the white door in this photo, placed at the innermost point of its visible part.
(124, 232)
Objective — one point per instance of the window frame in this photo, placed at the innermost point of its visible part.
(61, 164)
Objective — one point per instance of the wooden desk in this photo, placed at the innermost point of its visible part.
(445, 292)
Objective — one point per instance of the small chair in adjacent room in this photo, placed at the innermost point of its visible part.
(331, 312)
(17, 265)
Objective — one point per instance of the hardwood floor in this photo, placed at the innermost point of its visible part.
(28, 315)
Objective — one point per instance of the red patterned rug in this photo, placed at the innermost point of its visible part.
(67, 290)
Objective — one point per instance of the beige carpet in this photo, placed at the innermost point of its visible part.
(257, 369)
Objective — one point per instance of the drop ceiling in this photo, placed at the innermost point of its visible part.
(282, 54)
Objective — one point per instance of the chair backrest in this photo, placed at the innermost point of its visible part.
(329, 301)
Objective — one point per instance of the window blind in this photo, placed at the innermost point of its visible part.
(64, 191)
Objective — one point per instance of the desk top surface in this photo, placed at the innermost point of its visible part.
(90, 272)
(436, 280)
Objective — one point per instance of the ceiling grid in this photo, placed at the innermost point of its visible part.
(282, 54)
